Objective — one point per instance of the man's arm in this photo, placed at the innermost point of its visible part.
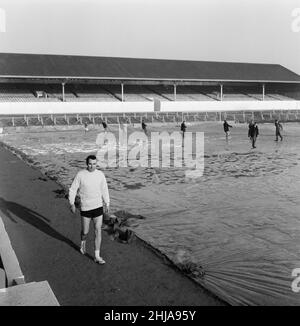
(105, 194)
(72, 193)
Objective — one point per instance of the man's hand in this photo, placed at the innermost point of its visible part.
(73, 209)
(106, 209)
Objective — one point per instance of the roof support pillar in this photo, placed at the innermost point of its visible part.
(263, 92)
(175, 90)
(63, 91)
(122, 92)
(221, 92)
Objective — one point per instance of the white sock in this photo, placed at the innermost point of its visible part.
(82, 244)
(97, 253)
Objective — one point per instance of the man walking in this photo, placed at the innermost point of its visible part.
(94, 198)
(253, 132)
(226, 127)
(278, 128)
(183, 128)
(104, 124)
(144, 127)
(86, 127)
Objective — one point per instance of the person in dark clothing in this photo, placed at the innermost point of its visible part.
(86, 127)
(253, 132)
(183, 128)
(104, 124)
(144, 127)
(226, 126)
(278, 128)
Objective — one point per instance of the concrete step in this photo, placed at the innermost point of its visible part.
(9, 259)
(2, 278)
(29, 294)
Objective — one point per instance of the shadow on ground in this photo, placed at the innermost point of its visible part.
(15, 211)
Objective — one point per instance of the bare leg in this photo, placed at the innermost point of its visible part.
(85, 225)
(98, 237)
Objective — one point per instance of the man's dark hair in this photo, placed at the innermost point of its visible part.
(90, 157)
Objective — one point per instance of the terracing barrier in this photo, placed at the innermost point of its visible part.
(77, 114)
(11, 122)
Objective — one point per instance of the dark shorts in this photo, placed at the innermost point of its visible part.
(92, 213)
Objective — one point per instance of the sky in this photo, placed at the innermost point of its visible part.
(260, 31)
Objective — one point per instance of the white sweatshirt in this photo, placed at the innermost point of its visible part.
(92, 187)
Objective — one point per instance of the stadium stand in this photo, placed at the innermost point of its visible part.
(13, 93)
(92, 93)
(112, 80)
(235, 94)
(204, 93)
(133, 93)
(162, 92)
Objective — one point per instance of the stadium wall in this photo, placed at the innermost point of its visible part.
(10, 108)
(206, 106)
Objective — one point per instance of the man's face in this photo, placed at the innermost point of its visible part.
(91, 166)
